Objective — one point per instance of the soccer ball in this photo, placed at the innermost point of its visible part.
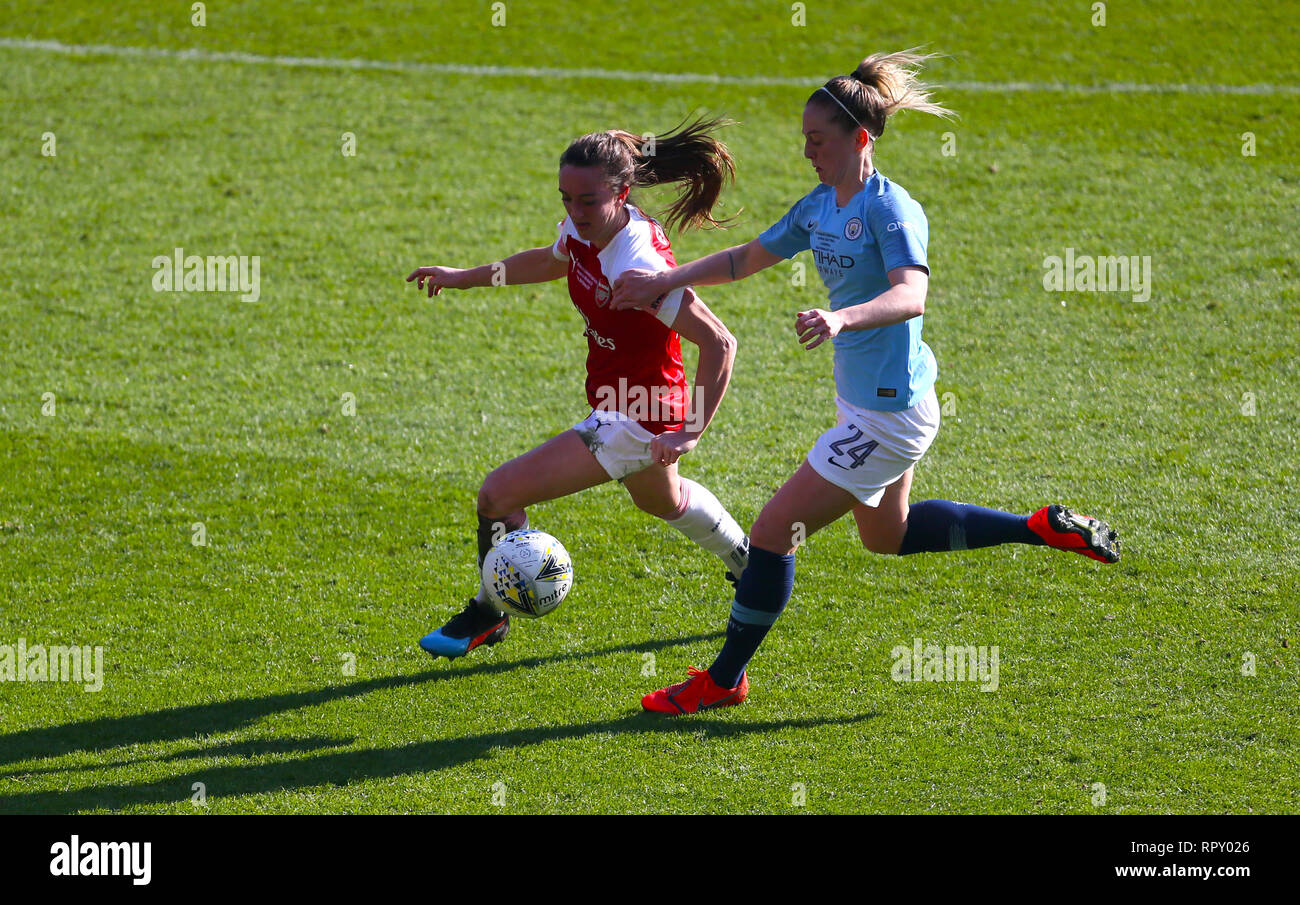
(528, 573)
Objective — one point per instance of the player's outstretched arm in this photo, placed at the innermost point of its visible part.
(696, 323)
(536, 265)
(641, 288)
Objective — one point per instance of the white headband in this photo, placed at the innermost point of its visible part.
(846, 110)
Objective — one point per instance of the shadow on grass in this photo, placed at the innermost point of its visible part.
(344, 768)
(259, 747)
(178, 723)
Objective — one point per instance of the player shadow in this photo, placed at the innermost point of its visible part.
(179, 723)
(260, 747)
(347, 767)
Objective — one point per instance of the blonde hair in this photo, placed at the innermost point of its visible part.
(879, 87)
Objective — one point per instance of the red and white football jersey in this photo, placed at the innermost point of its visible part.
(632, 354)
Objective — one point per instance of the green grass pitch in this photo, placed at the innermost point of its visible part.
(275, 669)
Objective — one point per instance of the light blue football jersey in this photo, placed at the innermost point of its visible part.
(855, 247)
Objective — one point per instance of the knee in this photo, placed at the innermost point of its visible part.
(886, 543)
(875, 544)
(656, 505)
(769, 534)
(494, 499)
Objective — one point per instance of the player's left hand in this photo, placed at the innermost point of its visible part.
(670, 446)
(635, 289)
(815, 327)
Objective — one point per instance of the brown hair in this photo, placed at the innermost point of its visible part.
(688, 155)
(883, 84)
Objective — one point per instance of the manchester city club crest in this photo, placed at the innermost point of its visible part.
(853, 229)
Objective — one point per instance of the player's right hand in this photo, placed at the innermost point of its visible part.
(438, 279)
(670, 446)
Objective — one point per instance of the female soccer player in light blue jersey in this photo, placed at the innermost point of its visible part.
(868, 240)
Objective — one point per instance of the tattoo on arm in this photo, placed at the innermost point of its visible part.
(732, 261)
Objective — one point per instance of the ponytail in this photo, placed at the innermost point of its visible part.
(879, 87)
(689, 156)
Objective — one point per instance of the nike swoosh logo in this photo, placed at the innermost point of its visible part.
(718, 702)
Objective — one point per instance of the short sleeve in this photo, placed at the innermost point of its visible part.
(639, 253)
(789, 235)
(566, 229)
(900, 230)
(668, 307)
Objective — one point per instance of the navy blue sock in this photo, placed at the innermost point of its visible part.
(762, 594)
(936, 526)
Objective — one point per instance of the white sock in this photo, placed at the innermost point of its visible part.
(702, 519)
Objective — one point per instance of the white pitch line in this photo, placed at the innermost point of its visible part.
(620, 75)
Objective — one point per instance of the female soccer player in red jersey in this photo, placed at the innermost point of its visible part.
(642, 418)
(868, 238)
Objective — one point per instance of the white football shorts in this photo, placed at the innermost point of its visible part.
(620, 445)
(868, 450)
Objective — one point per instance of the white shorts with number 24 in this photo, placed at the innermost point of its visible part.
(868, 450)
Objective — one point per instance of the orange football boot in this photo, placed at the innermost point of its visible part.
(1065, 530)
(699, 692)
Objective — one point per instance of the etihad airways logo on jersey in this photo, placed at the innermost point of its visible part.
(826, 259)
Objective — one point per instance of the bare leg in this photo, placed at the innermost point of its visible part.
(560, 466)
(693, 510)
(656, 490)
(882, 528)
(806, 503)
